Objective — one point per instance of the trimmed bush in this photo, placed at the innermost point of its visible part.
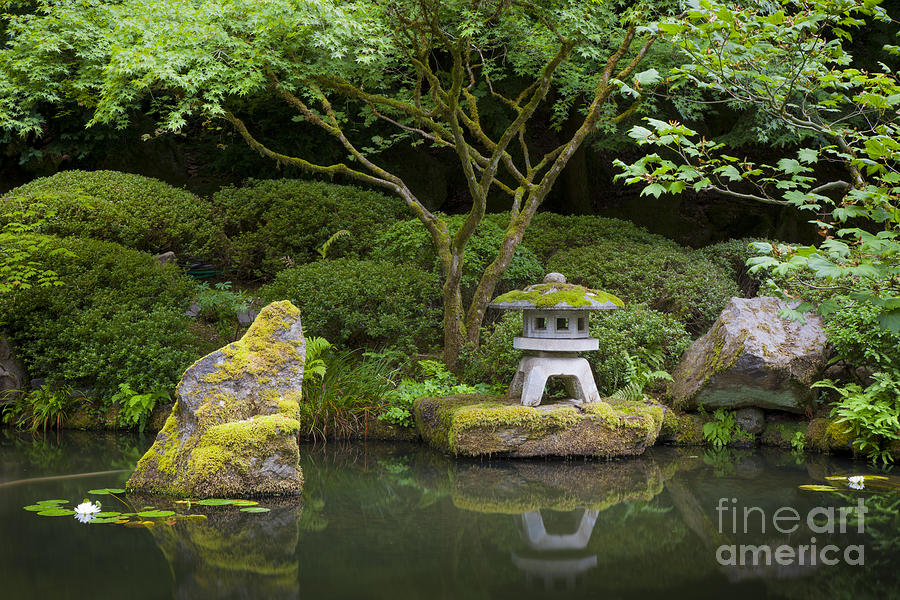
(550, 233)
(283, 222)
(408, 242)
(732, 256)
(135, 211)
(634, 329)
(116, 317)
(668, 278)
(363, 303)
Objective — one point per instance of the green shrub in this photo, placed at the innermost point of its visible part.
(117, 316)
(871, 414)
(732, 257)
(632, 331)
(362, 303)
(283, 222)
(132, 210)
(859, 339)
(550, 233)
(437, 382)
(723, 430)
(668, 278)
(407, 242)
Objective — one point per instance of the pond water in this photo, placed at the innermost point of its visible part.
(400, 521)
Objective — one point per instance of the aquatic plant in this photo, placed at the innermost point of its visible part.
(146, 516)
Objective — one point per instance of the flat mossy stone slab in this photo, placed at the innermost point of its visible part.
(482, 425)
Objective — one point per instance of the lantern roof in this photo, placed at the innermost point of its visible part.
(555, 294)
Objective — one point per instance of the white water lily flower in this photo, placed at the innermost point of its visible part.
(856, 482)
(84, 512)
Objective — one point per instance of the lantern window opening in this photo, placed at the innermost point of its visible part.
(581, 325)
(562, 324)
(540, 323)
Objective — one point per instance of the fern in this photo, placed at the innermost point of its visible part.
(323, 250)
(315, 368)
(641, 371)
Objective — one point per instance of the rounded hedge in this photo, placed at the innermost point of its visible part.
(407, 242)
(363, 303)
(670, 279)
(276, 223)
(116, 316)
(135, 211)
(550, 233)
(635, 329)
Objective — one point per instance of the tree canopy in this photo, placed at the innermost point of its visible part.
(468, 76)
(790, 61)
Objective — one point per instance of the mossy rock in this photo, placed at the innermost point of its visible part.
(779, 434)
(751, 357)
(826, 435)
(233, 429)
(682, 429)
(481, 425)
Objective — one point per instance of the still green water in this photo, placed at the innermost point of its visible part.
(400, 521)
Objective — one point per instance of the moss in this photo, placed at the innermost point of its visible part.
(546, 295)
(682, 429)
(259, 352)
(477, 425)
(825, 435)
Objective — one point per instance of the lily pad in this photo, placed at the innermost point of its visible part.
(245, 503)
(104, 520)
(819, 488)
(215, 502)
(255, 509)
(195, 517)
(51, 502)
(107, 514)
(155, 514)
(37, 507)
(56, 512)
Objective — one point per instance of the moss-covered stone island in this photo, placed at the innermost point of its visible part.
(482, 425)
(233, 429)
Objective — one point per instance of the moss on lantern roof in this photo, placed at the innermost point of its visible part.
(557, 295)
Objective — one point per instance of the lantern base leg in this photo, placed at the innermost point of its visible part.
(531, 378)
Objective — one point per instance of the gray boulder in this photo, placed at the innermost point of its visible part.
(233, 429)
(750, 419)
(12, 374)
(752, 357)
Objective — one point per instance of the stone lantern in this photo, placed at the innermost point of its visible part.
(556, 318)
